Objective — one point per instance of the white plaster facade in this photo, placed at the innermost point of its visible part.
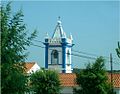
(66, 90)
(68, 61)
(59, 49)
(33, 69)
(69, 90)
(117, 90)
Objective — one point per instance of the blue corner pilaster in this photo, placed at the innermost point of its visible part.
(64, 58)
(46, 57)
(64, 55)
(46, 53)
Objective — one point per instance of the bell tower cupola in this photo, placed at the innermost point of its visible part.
(58, 50)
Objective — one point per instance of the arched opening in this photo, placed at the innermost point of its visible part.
(54, 57)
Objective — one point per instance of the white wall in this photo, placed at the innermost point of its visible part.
(117, 90)
(59, 49)
(66, 90)
(69, 90)
(68, 67)
(34, 68)
(58, 68)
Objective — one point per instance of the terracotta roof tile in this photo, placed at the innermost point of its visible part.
(116, 79)
(68, 79)
(29, 65)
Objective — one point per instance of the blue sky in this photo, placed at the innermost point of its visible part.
(95, 26)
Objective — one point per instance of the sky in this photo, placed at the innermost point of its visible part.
(94, 25)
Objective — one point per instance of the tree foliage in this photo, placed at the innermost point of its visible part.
(93, 80)
(45, 82)
(118, 50)
(14, 40)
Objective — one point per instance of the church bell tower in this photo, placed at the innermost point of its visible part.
(58, 50)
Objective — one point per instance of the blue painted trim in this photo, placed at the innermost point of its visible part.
(46, 56)
(63, 45)
(69, 46)
(64, 40)
(63, 58)
(46, 40)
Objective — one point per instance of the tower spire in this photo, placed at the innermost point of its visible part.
(58, 32)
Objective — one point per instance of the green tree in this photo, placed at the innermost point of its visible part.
(14, 41)
(93, 79)
(45, 82)
(118, 50)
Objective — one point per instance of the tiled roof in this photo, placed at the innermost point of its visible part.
(29, 65)
(116, 79)
(68, 79)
